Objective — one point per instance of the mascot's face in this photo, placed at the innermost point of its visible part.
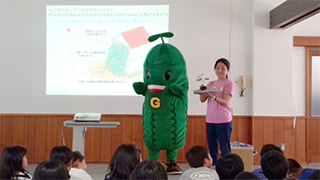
(164, 65)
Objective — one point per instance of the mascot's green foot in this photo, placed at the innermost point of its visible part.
(173, 168)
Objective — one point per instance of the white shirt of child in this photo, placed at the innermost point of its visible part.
(200, 173)
(77, 173)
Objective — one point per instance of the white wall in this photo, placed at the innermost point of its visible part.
(272, 65)
(204, 31)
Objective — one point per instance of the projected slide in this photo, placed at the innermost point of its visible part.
(99, 50)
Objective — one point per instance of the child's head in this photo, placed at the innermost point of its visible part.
(199, 156)
(12, 160)
(53, 169)
(124, 160)
(295, 168)
(62, 153)
(269, 147)
(229, 166)
(78, 160)
(149, 169)
(246, 175)
(274, 165)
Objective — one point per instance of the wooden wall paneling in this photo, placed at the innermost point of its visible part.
(138, 135)
(201, 132)
(235, 130)
(105, 143)
(313, 154)
(29, 139)
(191, 138)
(244, 129)
(7, 131)
(40, 133)
(289, 139)
(92, 144)
(40, 138)
(301, 140)
(67, 131)
(279, 132)
(257, 137)
(1, 147)
(52, 134)
(18, 131)
(268, 131)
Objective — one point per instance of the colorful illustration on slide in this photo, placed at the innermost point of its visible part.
(127, 52)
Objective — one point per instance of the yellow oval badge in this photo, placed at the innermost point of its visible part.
(155, 103)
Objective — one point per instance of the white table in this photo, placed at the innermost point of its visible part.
(79, 129)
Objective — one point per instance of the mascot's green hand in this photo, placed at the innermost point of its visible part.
(140, 88)
(177, 90)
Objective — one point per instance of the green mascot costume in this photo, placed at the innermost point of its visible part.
(165, 88)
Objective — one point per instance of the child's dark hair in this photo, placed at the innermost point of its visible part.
(268, 147)
(77, 155)
(294, 166)
(62, 153)
(149, 169)
(11, 161)
(196, 156)
(229, 166)
(246, 175)
(274, 165)
(53, 169)
(123, 161)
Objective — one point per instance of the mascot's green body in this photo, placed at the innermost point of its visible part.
(165, 88)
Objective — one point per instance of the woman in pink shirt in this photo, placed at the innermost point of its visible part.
(219, 114)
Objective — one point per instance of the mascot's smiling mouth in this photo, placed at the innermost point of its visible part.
(156, 88)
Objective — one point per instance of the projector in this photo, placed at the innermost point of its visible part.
(87, 117)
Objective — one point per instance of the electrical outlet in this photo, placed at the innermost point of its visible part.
(283, 147)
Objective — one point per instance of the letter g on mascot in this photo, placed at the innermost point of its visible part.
(165, 87)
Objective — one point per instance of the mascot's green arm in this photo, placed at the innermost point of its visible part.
(178, 90)
(140, 88)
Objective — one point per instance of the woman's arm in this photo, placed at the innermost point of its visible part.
(223, 101)
(203, 97)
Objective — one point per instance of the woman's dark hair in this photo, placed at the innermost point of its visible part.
(11, 161)
(53, 169)
(149, 169)
(224, 61)
(123, 161)
(77, 155)
(196, 156)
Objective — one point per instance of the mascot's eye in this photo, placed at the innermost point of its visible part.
(167, 75)
(147, 74)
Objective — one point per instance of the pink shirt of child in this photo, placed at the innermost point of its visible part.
(217, 113)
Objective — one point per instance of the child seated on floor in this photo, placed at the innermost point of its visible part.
(296, 171)
(13, 163)
(200, 162)
(149, 169)
(123, 161)
(229, 166)
(79, 166)
(53, 169)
